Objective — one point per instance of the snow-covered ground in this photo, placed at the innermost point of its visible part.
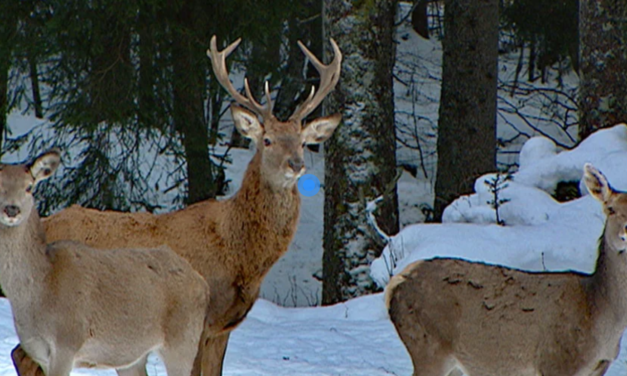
(351, 339)
(346, 339)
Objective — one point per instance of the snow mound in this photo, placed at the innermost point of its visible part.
(540, 233)
(365, 308)
(542, 169)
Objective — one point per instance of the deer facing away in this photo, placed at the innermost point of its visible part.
(233, 243)
(490, 320)
(77, 306)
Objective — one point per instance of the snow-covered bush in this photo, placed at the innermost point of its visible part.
(541, 233)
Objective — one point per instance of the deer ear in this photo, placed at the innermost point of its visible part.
(246, 123)
(45, 165)
(321, 129)
(597, 183)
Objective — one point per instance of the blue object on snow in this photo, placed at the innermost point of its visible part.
(308, 185)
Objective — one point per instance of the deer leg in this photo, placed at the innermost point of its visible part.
(178, 360)
(435, 366)
(61, 363)
(24, 364)
(427, 355)
(137, 369)
(456, 372)
(213, 354)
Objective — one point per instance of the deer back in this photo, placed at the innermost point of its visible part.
(495, 320)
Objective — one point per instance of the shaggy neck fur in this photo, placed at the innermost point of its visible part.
(262, 222)
(23, 256)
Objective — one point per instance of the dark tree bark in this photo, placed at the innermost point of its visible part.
(147, 101)
(8, 24)
(420, 19)
(189, 75)
(4, 88)
(603, 60)
(360, 159)
(111, 71)
(34, 84)
(467, 116)
(306, 28)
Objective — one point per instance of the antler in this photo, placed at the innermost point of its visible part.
(218, 61)
(329, 75)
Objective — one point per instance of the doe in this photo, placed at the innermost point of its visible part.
(491, 320)
(77, 306)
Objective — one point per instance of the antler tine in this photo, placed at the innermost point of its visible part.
(218, 62)
(265, 112)
(329, 76)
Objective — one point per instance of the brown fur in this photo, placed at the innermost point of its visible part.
(77, 306)
(232, 243)
(232, 252)
(492, 320)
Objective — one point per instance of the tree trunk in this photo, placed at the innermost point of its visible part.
(361, 156)
(467, 117)
(8, 24)
(4, 88)
(111, 70)
(189, 76)
(603, 58)
(306, 28)
(34, 84)
(147, 103)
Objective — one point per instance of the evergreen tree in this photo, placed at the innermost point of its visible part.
(125, 81)
(603, 54)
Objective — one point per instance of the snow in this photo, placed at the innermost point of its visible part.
(348, 339)
(353, 338)
(539, 233)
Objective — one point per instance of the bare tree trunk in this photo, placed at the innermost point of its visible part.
(8, 24)
(111, 71)
(34, 84)
(188, 86)
(306, 28)
(4, 88)
(467, 117)
(147, 102)
(603, 59)
(361, 156)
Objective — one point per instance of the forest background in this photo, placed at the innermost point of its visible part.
(433, 95)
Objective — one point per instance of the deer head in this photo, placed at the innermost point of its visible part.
(614, 206)
(17, 183)
(281, 144)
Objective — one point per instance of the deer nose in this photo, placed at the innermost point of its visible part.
(11, 211)
(296, 164)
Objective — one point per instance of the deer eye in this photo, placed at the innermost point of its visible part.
(610, 210)
(267, 141)
(29, 188)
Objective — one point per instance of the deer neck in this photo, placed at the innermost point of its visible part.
(608, 285)
(23, 261)
(262, 220)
